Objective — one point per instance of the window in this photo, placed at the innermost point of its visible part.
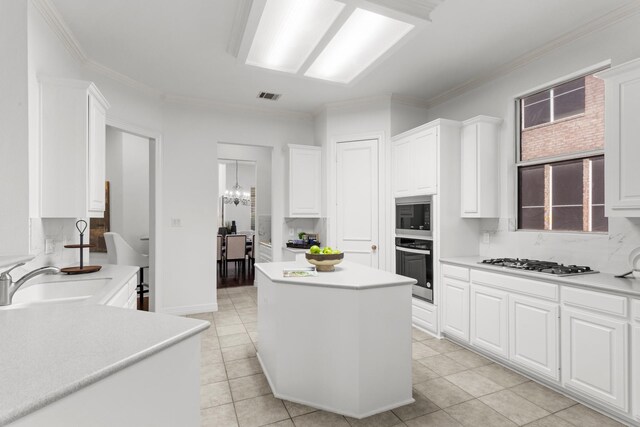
(561, 157)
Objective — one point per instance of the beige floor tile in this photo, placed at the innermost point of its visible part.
(212, 373)
(501, 375)
(297, 409)
(582, 416)
(228, 321)
(435, 419)
(202, 316)
(468, 358)
(320, 419)
(234, 339)
(283, 423)
(420, 351)
(249, 318)
(248, 303)
(550, 421)
(514, 407)
(543, 397)
(251, 327)
(224, 308)
(247, 310)
(209, 343)
(219, 416)
(210, 356)
(215, 394)
(243, 367)
(475, 413)
(230, 330)
(420, 407)
(383, 419)
(421, 373)
(210, 332)
(254, 337)
(442, 346)
(442, 392)
(474, 384)
(248, 387)
(260, 411)
(442, 364)
(419, 335)
(236, 352)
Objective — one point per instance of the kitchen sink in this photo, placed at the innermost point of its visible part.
(72, 290)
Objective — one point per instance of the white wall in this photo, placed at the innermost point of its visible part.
(604, 252)
(127, 170)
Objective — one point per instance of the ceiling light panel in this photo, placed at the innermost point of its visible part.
(288, 32)
(364, 38)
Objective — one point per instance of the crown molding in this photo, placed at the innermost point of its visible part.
(358, 102)
(55, 21)
(600, 23)
(411, 101)
(226, 107)
(417, 8)
(111, 74)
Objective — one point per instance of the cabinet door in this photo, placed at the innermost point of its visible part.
(489, 312)
(455, 308)
(533, 335)
(96, 161)
(636, 371)
(305, 178)
(401, 153)
(469, 169)
(594, 356)
(424, 161)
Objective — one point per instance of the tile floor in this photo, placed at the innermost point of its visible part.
(452, 386)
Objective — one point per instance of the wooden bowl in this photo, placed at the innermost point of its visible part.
(324, 262)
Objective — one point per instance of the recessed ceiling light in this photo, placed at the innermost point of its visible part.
(363, 38)
(288, 32)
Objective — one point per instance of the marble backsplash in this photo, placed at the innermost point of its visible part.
(604, 252)
(61, 231)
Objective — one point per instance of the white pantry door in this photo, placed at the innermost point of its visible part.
(357, 201)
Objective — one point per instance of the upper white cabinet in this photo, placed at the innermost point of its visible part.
(305, 181)
(622, 150)
(415, 162)
(480, 187)
(72, 149)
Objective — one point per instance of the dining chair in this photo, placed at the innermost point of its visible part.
(235, 250)
(251, 257)
(121, 253)
(220, 255)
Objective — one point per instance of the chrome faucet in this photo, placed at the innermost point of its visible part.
(8, 287)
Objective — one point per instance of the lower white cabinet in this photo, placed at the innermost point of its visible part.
(126, 295)
(533, 335)
(489, 320)
(455, 308)
(635, 361)
(424, 315)
(594, 356)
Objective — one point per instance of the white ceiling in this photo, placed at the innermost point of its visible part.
(180, 48)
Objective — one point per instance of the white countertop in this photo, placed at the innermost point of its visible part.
(295, 250)
(597, 281)
(348, 275)
(50, 351)
(11, 260)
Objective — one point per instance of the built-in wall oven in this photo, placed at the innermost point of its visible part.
(413, 216)
(414, 258)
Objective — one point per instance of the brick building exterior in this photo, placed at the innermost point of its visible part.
(585, 131)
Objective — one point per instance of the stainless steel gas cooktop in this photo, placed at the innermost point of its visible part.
(547, 267)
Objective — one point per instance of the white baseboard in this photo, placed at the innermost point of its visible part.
(190, 309)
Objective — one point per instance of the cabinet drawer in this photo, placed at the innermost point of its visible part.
(424, 316)
(121, 298)
(133, 302)
(596, 301)
(635, 310)
(519, 285)
(132, 284)
(455, 272)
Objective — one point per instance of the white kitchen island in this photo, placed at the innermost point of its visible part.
(340, 341)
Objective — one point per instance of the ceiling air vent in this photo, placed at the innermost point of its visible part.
(269, 96)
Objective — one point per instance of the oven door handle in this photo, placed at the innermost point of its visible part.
(413, 251)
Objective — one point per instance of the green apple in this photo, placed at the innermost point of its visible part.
(336, 252)
(327, 250)
(315, 249)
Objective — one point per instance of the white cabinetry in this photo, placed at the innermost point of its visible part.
(455, 302)
(424, 315)
(635, 361)
(126, 295)
(305, 180)
(415, 159)
(595, 346)
(489, 317)
(622, 151)
(72, 149)
(533, 335)
(480, 156)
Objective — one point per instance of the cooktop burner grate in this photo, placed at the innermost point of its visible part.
(534, 265)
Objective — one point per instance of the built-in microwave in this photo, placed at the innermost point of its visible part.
(413, 216)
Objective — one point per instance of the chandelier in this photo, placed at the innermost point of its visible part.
(236, 195)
